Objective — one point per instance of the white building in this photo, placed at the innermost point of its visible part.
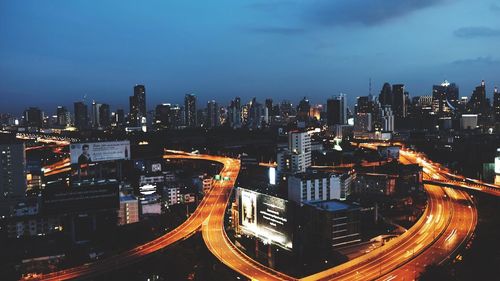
(313, 186)
(299, 144)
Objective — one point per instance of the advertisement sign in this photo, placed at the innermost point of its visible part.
(265, 217)
(389, 152)
(89, 152)
(497, 162)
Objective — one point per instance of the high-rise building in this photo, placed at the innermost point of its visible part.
(303, 109)
(336, 110)
(63, 116)
(190, 110)
(444, 98)
(399, 106)
(138, 111)
(385, 96)
(119, 119)
(317, 186)
(33, 117)
(478, 103)
(12, 170)
(95, 116)
(104, 116)
(363, 122)
(269, 106)
(299, 144)
(81, 116)
(234, 113)
(213, 114)
(496, 104)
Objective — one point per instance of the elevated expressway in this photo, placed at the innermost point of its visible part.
(211, 200)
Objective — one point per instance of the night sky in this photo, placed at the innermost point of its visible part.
(55, 52)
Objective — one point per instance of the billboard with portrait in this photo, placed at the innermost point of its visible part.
(89, 152)
(265, 217)
(389, 152)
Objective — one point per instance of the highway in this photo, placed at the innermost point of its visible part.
(185, 230)
(447, 223)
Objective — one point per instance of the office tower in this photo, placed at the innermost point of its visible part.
(363, 122)
(496, 104)
(365, 104)
(478, 103)
(176, 116)
(104, 116)
(33, 117)
(336, 110)
(63, 116)
(81, 115)
(234, 113)
(398, 100)
(95, 116)
(119, 117)
(303, 109)
(162, 116)
(12, 169)
(286, 109)
(313, 186)
(269, 106)
(138, 111)
(385, 96)
(386, 118)
(213, 114)
(444, 98)
(190, 110)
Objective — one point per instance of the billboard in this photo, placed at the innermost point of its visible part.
(389, 152)
(497, 162)
(265, 217)
(89, 152)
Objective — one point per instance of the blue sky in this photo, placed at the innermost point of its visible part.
(55, 52)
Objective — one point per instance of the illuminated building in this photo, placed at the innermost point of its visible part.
(468, 121)
(496, 104)
(213, 114)
(444, 98)
(129, 210)
(190, 111)
(313, 186)
(138, 106)
(12, 171)
(63, 116)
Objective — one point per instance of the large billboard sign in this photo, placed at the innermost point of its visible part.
(389, 152)
(265, 217)
(497, 162)
(89, 152)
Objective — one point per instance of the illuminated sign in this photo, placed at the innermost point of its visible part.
(265, 217)
(497, 162)
(272, 175)
(389, 152)
(89, 152)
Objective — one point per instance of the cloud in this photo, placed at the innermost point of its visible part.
(278, 30)
(476, 31)
(477, 61)
(362, 12)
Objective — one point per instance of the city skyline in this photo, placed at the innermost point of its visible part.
(68, 50)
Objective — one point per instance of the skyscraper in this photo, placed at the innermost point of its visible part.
(213, 117)
(33, 117)
(12, 169)
(444, 98)
(234, 113)
(478, 103)
(81, 115)
(385, 97)
(303, 109)
(95, 116)
(336, 110)
(399, 100)
(104, 116)
(496, 104)
(63, 116)
(190, 110)
(138, 111)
